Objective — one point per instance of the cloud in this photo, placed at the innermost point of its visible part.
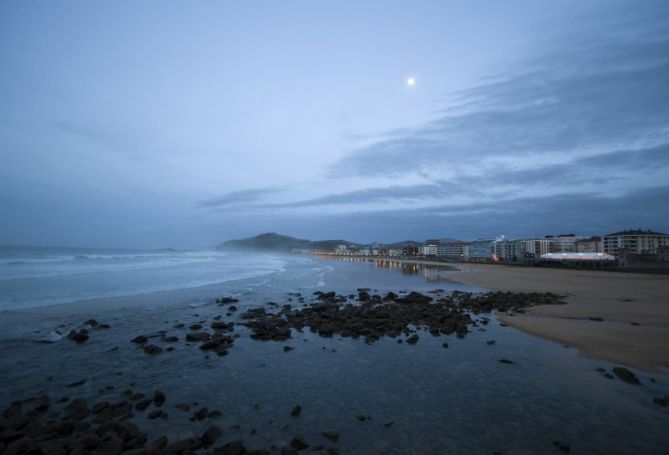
(593, 93)
(240, 197)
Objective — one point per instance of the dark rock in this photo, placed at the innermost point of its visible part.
(198, 336)
(158, 398)
(77, 383)
(661, 401)
(444, 345)
(226, 300)
(195, 326)
(562, 446)
(152, 349)
(626, 375)
(200, 414)
(210, 435)
(78, 336)
(139, 339)
(288, 450)
(142, 405)
(159, 443)
(185, 407)
(299, 442)
(155, 414)
(170, 339)
(296, 411)
(231, 448)
(413, 339)
(331, 435)
(596, 319)
(361, 418)
(507, 361)
(288, 348)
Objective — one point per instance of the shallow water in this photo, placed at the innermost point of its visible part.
(455, 400)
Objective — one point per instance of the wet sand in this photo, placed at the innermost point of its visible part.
(622, 300)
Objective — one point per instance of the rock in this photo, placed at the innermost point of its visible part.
(288, 348)
(214, 413)
(170, 339)
(159, 443)
(198, 336)
(361, 418)
(562, 446)
(77, 383)
(152, 349)
(388, 424)
(596, 319)
(331, 435)
(185, 407)
(661, 401)
(288, 450)
(507, 361)
(195, 326)
(231, 448)
(296, 411)
(159, 398)
(491, 342)
(299, 442)
(210, 435)
(155, 414)
(142, 405)
(80, 336)
(626, 375)
(444, 345)
(413, 339)
(200, 414)
(226, 300)
(139, 339)
(99, 407)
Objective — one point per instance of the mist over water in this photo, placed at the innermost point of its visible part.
(36, 276)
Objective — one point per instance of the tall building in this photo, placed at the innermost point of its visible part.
(478, 250)
(537, 247)
(505, 249)
(565, 243)
(451, 249)
(591, 245)
(635, 241)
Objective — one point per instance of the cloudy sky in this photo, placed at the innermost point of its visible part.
(156, 124)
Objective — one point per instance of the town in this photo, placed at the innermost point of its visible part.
(639, 250)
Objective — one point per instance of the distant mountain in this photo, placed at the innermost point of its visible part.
(276, 242)
(270, 241)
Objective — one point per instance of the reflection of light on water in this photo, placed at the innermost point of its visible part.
(430, 272)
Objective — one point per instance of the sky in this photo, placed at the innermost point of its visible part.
(182, 124)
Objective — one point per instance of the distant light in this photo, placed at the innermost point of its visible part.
(411, 81)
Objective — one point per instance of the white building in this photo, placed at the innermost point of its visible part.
(635, 241)
(427, 250)
(537, 247)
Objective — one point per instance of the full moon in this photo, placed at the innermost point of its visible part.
(411, 81)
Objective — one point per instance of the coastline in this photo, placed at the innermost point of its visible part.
(633, 308)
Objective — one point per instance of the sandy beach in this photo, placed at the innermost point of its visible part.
(621, 300)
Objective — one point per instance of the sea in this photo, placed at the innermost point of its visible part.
(415, 399)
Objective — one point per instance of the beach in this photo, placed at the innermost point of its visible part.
(610, 316)
(352, 357)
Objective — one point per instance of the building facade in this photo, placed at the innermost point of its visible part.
(635, 242)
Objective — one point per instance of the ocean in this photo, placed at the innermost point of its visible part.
(420, 398)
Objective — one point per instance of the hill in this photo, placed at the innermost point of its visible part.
(272, 241)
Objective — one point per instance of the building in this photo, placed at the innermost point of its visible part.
(478, 250)
(578, 260)
(537, 247)
(635, 242)
(591, 245)
(427, 250)
(564, 243)
(505, 249)
(451, 249)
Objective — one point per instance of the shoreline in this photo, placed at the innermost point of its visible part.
(615, 317)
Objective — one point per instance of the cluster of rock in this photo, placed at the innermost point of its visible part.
(41, 427)
(374, 316)
(218, 341)
(82, 335)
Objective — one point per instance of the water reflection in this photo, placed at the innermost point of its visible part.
(431, 273)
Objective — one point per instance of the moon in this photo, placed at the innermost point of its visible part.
(411, 81)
